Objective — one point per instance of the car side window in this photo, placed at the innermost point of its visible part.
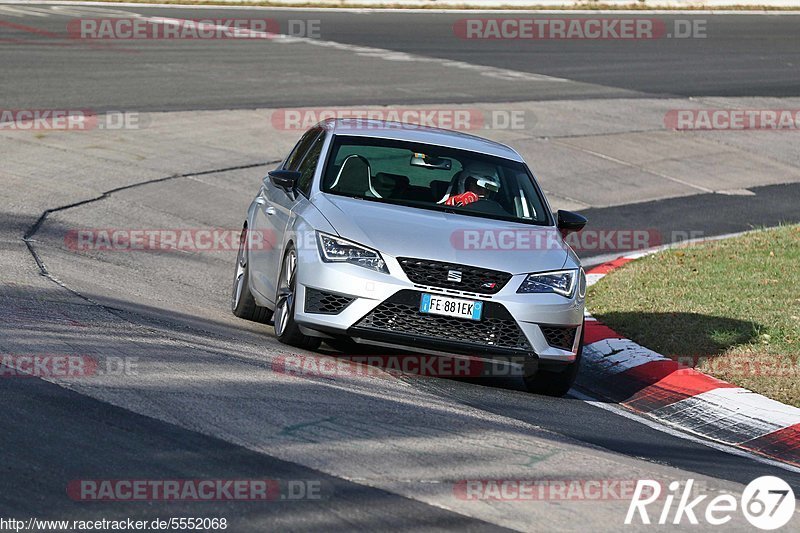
(309, 165)
(300, 149)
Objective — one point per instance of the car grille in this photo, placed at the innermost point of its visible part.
(400, 314)
(325, 303)
(439, 274)
(559, 337)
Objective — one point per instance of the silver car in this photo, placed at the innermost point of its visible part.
(411, 237)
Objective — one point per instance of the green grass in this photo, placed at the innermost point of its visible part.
(730, 306)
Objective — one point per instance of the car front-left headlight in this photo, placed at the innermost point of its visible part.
(560, 282)
(334, 249)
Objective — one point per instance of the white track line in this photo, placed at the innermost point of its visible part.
(379, 53)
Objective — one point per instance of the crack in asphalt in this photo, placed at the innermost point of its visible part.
(28, 236)
(29, 241)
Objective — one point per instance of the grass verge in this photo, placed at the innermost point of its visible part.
(731, 308)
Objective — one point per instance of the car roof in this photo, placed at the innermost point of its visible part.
(383, 129)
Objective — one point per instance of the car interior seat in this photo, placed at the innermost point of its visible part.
(354, 176)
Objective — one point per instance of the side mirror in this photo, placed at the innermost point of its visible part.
(284, 179)
(569, 222)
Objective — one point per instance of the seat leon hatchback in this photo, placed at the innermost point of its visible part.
(415, 238)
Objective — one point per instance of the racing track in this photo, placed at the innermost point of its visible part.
(205, 400)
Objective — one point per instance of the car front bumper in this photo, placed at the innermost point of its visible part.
(375, 294)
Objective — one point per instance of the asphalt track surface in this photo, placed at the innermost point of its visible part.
(177, 322)
(763, 51)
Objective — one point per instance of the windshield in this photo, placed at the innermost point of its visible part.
(433, 177)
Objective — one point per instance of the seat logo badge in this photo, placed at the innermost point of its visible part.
(489, 285)
(454, 275)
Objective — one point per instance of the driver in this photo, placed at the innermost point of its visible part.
(479, 183)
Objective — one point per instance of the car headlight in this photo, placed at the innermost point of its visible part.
(337, 250)
(560, 282)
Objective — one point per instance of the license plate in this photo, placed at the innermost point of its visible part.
(442, 305)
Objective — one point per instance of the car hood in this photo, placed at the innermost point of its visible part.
(401, 231)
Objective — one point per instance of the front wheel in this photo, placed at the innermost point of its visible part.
(556, 382)
(286, 329)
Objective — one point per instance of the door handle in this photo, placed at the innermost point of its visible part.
(270, 210)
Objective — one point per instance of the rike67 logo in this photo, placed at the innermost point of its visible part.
(767, 503)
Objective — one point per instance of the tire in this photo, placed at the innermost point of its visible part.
(243, 304)
(556, 382)
(286, 329)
